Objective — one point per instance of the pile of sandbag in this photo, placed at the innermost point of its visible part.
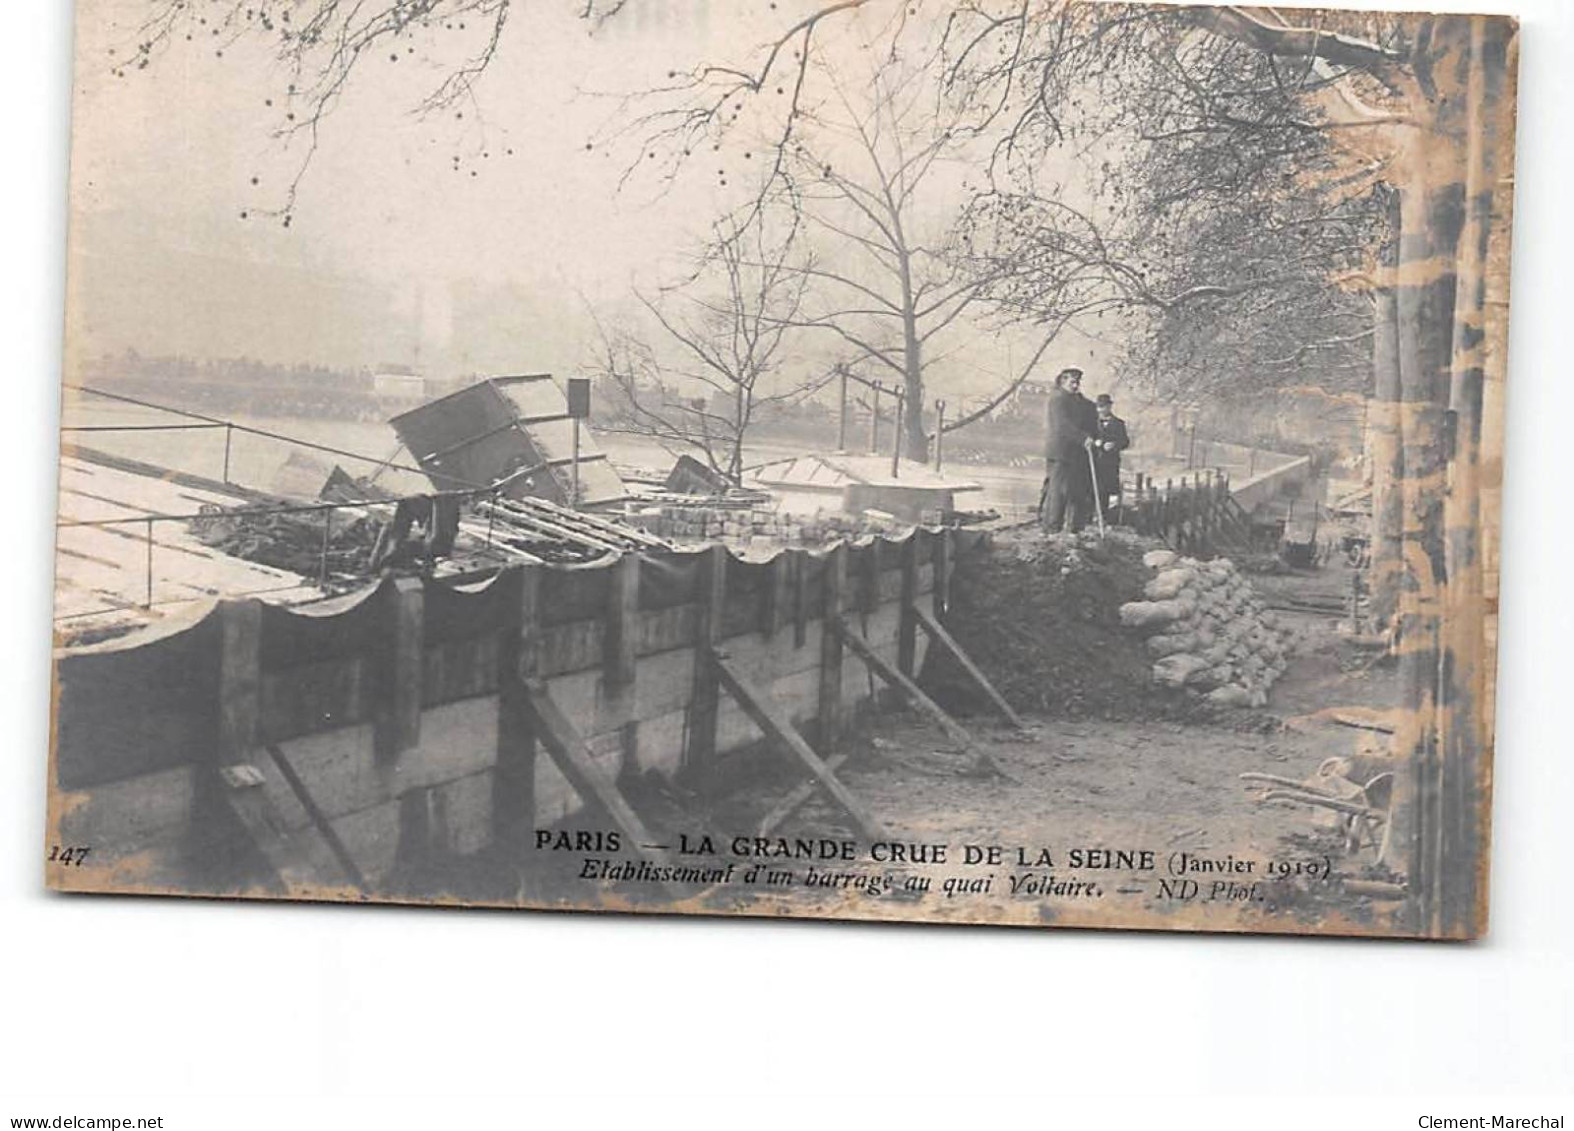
(1206, 630)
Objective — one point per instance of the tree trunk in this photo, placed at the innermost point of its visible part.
(915, 443)
(743, 409)
(1463, 737)
(1383, 437)
(1431, 220)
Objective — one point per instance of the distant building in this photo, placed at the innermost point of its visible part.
(399, 386)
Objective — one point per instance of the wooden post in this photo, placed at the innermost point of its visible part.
(944, 552)
(573, 496)
(223, 790)
(778, 594)
(800, 604)
(396, 721)
(869, 566)
(907, 630)
(896, 442)
(841, 419)
(617, 642)
(700, 750)
(831, 647)
(240, 679)
(939, 434)
(518, 660)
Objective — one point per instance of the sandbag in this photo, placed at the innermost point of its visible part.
(1168, 584)
(1140, 614)
(1210, 678)
(1176, 670)
(1230, 695)
(1168, 643)
(1159, 559)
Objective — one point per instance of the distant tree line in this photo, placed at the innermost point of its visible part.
(244, 384)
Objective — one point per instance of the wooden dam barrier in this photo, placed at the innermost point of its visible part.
(1199, 515)
(321, 747)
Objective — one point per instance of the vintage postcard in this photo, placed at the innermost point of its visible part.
(976, 461)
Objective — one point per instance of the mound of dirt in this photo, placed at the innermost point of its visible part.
(1040, 614)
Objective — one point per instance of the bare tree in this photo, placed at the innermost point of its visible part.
(1423, 101)
(877, 171)
(720, 356)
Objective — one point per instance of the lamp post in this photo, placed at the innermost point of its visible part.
(578, 409)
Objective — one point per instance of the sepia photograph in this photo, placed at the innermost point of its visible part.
(984, 462)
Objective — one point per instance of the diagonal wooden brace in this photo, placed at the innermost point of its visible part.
(902, 683)
(568, 750)
(937, 633)
(780, 730)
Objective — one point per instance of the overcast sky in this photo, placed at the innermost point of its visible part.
(392, 255)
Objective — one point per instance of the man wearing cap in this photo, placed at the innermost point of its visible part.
(1110, 439)
(1070, 424)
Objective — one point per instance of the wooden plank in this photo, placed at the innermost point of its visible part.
(521, 518)
(319, 821)
(937, 632)
(396, 716)
(831, 709)
(907, 634)
(700, 750)
(518, 660)
(768, 718)
(573, 759)
(586, 520)
(899, 680)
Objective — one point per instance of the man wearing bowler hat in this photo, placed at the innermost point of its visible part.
(1109, 440)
